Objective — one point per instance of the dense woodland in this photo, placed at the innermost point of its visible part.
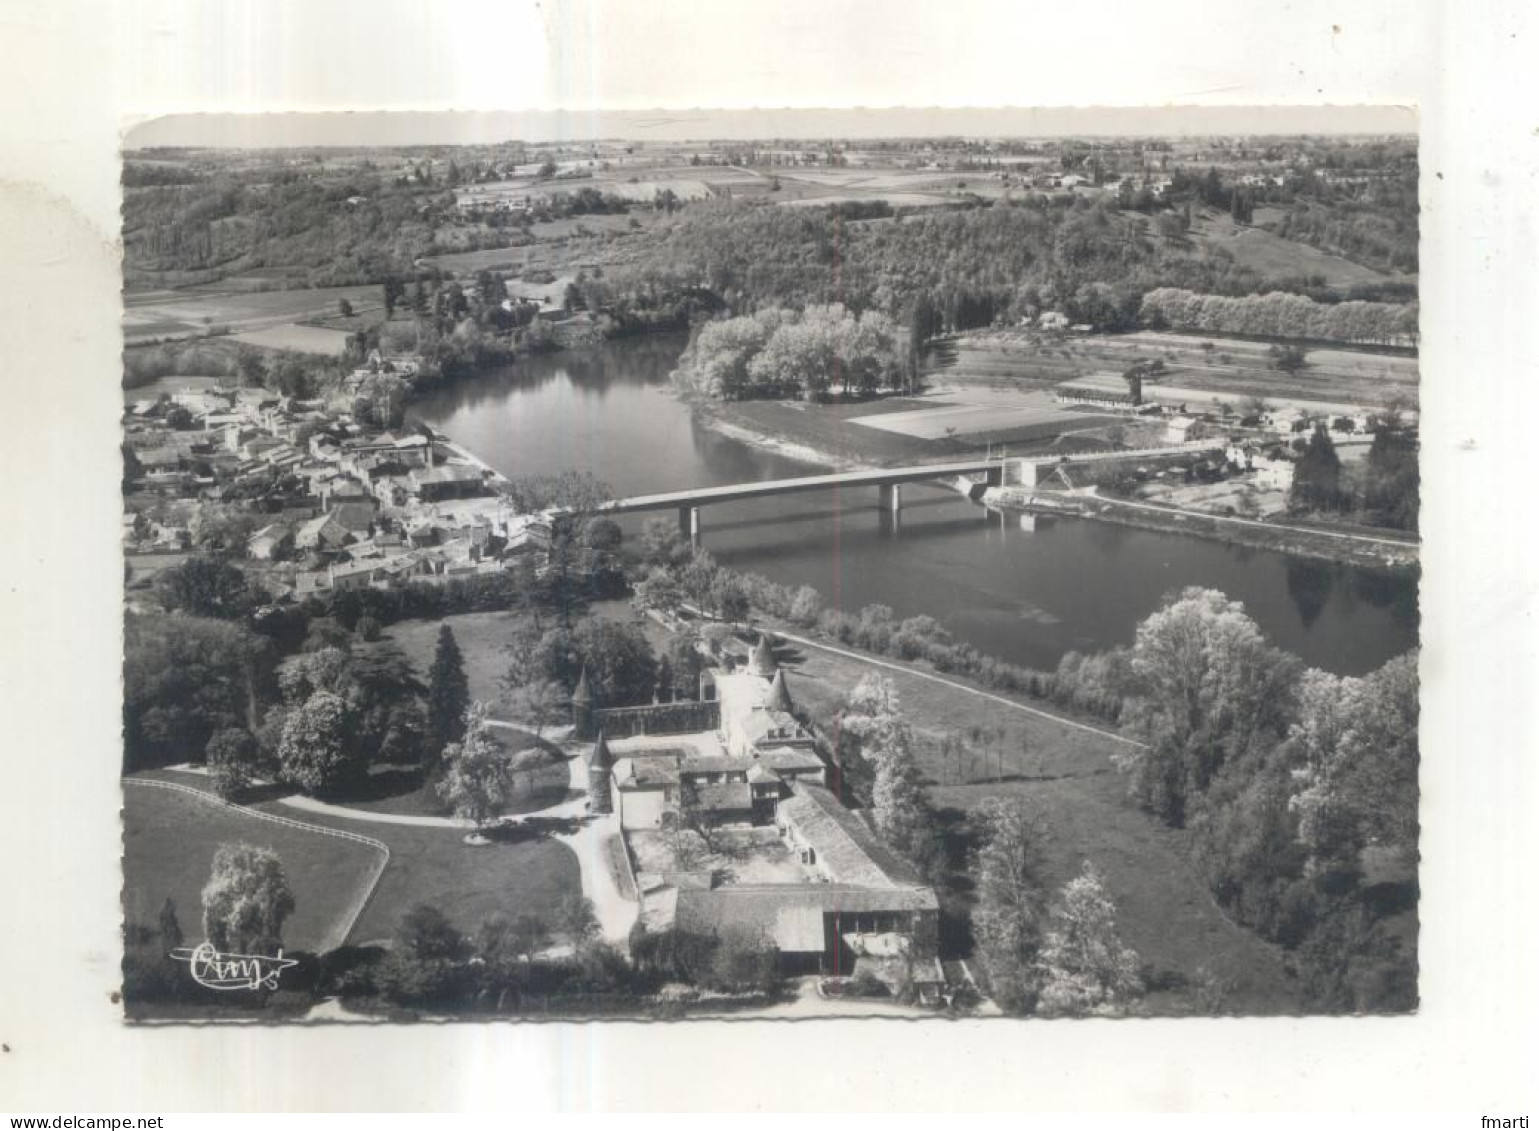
(941, 271)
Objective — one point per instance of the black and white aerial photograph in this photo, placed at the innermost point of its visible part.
(574, 557)
(965, 574)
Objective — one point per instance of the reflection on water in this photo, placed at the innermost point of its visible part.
(1027, 592)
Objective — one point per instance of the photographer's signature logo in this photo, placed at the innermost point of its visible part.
(220, 971)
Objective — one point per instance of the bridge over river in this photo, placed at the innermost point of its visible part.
(993, 470)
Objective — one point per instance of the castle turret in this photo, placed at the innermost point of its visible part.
(779, 695)
(600, 764)
(762, 661)
(582, 707)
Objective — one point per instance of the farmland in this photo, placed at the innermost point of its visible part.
(827, 431)
(194, 311)
(292, 336)
(986, 413)
(1209, 368)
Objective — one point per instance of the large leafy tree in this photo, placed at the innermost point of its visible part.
(205, 587)
(184, 679)
(1357, 737)
(386, 698)
(1210, 690)
(902, 814)
(478, 777)
(382, 693)
(246, 900)
(685, 663)
(319, 752)
(448, 692)
(1011, 908)
(576, 920)
(619, 659)
(233, 760)
(1086, 969)
(1392, 489)
(425, 963)
(540, 702)
(506, 947)
(898, 805)
(872, 718)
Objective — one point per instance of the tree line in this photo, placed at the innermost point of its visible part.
(1280, 315)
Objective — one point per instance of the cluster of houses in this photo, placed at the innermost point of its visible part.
(842, 903)
(333, 504)
(1262, 443)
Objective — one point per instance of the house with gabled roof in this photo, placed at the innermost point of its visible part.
(322, 533)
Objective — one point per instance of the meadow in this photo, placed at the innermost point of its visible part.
(1164, 908)
(169, 841)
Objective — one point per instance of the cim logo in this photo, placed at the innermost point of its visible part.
(219, 971)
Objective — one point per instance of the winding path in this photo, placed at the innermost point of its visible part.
(616, 913)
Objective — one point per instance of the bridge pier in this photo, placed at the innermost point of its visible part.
(1025, 473)
(889, 497)
(689, 525)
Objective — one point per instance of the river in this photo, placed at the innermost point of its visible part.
(1027, 596)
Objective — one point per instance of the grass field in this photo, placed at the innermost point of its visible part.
(482, 638)
(151, 315)
(466, 882)
(169, 840)
(1274, 256)
(1164, 909)
(292, 336)
(492, 259)
(890, 196)
(1218, 367)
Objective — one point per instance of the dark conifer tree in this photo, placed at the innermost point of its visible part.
(448, 692)
(1317, 477)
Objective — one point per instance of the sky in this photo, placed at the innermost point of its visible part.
(385, 128)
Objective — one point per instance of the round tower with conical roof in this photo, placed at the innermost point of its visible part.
(762, 660)
(779, 694)
(582, 707)
(600, 764)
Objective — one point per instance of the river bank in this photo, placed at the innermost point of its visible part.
(816, 443)
(1343, 548)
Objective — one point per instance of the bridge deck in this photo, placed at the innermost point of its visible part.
(733, 492)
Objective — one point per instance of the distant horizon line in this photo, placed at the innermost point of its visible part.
(385, 129)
